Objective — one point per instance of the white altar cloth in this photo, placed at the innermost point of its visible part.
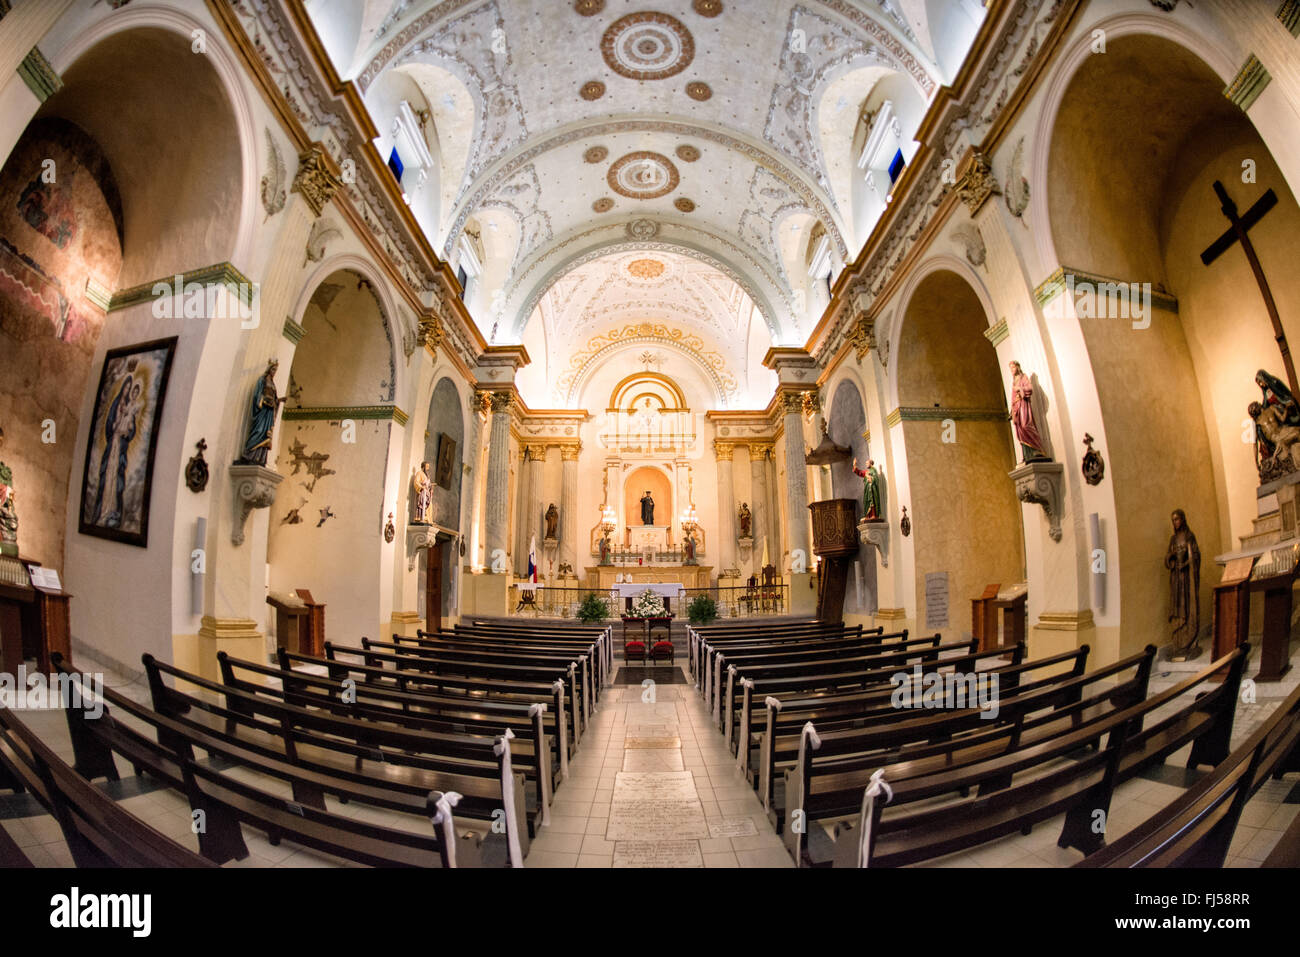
(633, 589)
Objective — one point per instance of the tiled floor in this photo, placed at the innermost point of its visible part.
(653, 785)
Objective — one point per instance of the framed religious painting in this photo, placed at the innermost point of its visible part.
(446, 460)
(122, 440)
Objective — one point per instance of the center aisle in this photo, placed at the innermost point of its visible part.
(654, 786)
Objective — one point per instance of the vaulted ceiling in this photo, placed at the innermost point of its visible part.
(608, 127)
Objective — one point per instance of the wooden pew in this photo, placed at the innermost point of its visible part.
(368, 703)
(99, 832)
(701, 642)
(516, 679)
(778, 743)
(168, 756)
(1196, 829)
(410, 760)
(1024, 786)
(547, 631)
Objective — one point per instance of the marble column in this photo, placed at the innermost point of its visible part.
(570, 527)
(681, 500)
(758, 507)
(796, 477)
(533, 525)
(498, 482)
(480, 412)
(725, 550)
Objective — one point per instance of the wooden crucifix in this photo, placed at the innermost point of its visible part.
(1239, 232)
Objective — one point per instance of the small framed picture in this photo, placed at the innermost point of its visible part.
(442, 472)
(118, 474)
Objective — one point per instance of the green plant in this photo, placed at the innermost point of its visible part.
(593, 608)
(702, 610)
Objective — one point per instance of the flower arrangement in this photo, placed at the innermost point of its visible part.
(649, 605)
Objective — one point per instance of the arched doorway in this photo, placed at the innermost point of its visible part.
(952, 407)
(1173, 381)
(326, 525)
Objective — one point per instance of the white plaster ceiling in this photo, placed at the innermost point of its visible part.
(758, 134)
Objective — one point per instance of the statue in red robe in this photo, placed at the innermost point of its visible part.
(1032, 446)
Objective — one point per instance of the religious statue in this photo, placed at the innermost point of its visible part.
(1094, 469)
(1276, 394)
(870, 491)
(422, 484)
(1277, 428)
(1183, 559)
(552, 522)
(647, 509)
(604, 549)
(266, 401)
(688, 547)
(1032, 446)
(746, 520)
(8, 508)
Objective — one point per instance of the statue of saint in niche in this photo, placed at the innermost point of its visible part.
(746, 521)
(261, 422)
(552, 522)
(1032, 446)
(870, 490)
(423, 487)
(647, 509)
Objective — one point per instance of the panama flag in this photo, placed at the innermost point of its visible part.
(532, 560)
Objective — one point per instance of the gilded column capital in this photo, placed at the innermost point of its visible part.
(791, 403)
(759, 451)
(723, 450)
(502, 401)
(569, 453)
(314, 179)
(977, 183)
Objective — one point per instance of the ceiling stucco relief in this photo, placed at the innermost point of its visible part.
(647, 46)
(770, 201)
(522, 196)
(643, 175)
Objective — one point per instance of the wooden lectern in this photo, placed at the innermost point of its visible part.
(35, 616)
(291, 624)
(315, 627)
(1232, 608)
(1014, 615)
(1275, 577)
(835, 541)
(984, 618)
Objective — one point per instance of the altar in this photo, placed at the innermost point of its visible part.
(605, 577)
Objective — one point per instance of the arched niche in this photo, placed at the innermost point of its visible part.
(1173, 383)
(444, 450)
(655, 480)
(325, 528)
(955, 430)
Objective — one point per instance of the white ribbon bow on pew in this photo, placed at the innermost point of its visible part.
(875, 787)
(742, 747)
(535, 711)
(502, 750)
(562, 726)
(773, 705)
(443, 820)
(808, 734)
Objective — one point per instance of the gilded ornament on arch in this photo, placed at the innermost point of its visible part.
(589, 8)
(698, 90)
(646, 268)
(688, 153)
(707, 8)
(595, 154)
(592, 90)
(314, 179)
(603, 205)
(977, 183)
(685, 205)
(643, 174)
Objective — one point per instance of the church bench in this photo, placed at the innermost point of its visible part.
(774, 748)
(727, 667)
(551, 632)
(858, 672)
(1197, 828)
(589, 654)
(696, 638)
(98, 831)
(1070, 772)
(225, 802)
(447, 691)
(385, 705)
(392, 758)
(699, 639)
(475, 676)
(601, 644)
(908, 742)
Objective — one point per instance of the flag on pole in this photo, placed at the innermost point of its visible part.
(532, 560)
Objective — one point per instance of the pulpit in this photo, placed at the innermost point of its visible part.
(1275, 576)
(835, 541)
(1232, 608)
(292, 623)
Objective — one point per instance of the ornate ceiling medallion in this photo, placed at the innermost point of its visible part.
(685, 205)
(589, 8)
(603, 205)
(647, 46)
(706, 8)
(688, 153)
(592, 90)
(643, 175)
(646, 268)
(699, 91)
(595, 154)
